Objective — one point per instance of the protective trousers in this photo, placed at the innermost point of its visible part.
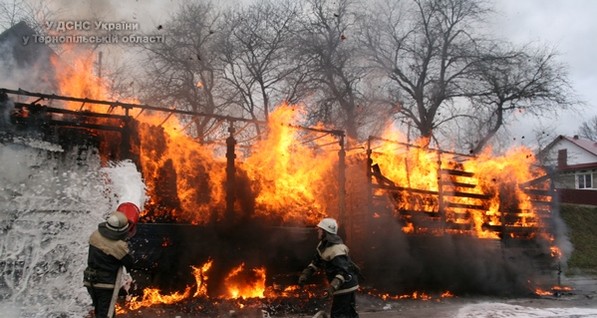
(343, 306)
(101, 298)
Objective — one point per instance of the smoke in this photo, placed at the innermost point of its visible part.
(560, 231)
(6, 108)
(25, 64)
(459, 264)
(10, 310)
(145, 13)
(438, 262)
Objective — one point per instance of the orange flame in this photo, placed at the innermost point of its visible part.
(416, 295)
(200, 274)
(286, 174)
(555, 289)
(242, 283)
(176, 163)
(488, 194)
(78, 79)
(291, 176)
(153, 296)
(543, 292)
(447, 294)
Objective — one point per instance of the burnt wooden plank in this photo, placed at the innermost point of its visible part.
(466, 195)
(457, 184)
(465, 206)
(456, 173)
(403, 189)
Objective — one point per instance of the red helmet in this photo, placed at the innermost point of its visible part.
(132, 214)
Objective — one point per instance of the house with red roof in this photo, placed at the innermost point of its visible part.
(573, 164)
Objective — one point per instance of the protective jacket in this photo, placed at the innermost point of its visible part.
(107, 253)
(332, 257)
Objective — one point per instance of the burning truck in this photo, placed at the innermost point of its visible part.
(227, 222)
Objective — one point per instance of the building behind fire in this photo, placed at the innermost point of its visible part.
(573, 163)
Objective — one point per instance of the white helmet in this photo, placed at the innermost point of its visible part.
(118, 222)
(329, 225)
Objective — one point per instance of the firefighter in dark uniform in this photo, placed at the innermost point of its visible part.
(340, 271)
(108, 252)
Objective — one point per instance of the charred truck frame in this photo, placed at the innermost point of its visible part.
(405, 237)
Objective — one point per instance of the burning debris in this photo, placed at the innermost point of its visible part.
(486, 219)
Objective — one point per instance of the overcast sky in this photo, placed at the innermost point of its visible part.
(571, 27)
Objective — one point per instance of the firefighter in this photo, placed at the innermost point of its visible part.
(341, 273)
(108, 252)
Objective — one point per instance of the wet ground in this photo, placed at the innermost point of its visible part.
(579, 301)
(583, 295)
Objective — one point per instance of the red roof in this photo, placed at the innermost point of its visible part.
(586, 144)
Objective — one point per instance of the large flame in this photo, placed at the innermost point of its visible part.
(473, 194)
(504, 175)
(291, 170)
(184, 179)
(289, 175)
(292, 174)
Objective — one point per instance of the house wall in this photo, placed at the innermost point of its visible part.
(578, 161)
(576, 155)
(567, 179)
(573, 196)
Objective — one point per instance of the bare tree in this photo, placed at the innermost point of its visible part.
(326, 42)
(182, 71)
(445, 73)
(425, 49)
(15, 11)
(588, 129)
(422, 61)
(529, 81)
(11, 13)
(35, 13)
(257, 63)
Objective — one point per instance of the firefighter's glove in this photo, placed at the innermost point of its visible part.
(333, 287)
(304, 277)
(127, 281)
(302, 280)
